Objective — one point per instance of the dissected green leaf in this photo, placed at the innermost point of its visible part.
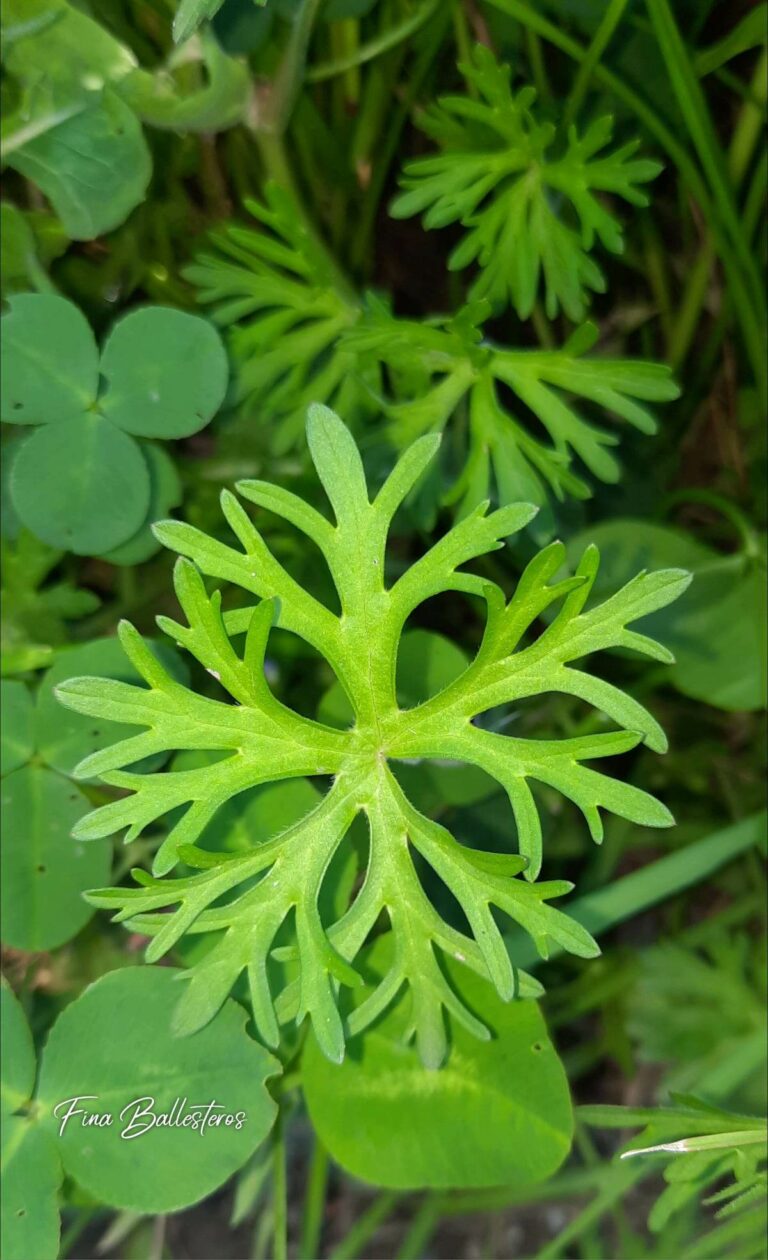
(262, 740)
(165, 373)
(16, 733)
(529, 214)
(45, 871)
(115, 1042)
(278, 291)
(438, 367)
(499, 1113)
(700, 1144)
(51, 364)
(81, 484)
(63, 737)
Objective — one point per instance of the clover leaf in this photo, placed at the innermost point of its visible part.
(528, 213)
(112, 1053)
(501, 1115)
(29, 1225)
(81, 481)
(246, 898)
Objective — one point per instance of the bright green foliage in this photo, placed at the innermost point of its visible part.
(437, 366)
(81, 481)
(287, 306)
(529, 212)
(266, 741)
(700, 1145)
(501, 1115)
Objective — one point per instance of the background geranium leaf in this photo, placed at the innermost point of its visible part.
(51, 364)
(717, 632)
(31, 1178)
(164, 494)
(81, 485)
(16, 739)
(45, 871)
(63, 737)
(115, 1042)
(94, 167)
(17, 1070)
(166, 373)
(497, 1113)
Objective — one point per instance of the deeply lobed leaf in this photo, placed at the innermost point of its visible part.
(248, 901)
(531, 217)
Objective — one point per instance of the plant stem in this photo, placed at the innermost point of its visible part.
(740, 151)
(366, 1226)
(314, 1203)
(279, 1189)
(421, 1229)
(375, 47)
(613, 14)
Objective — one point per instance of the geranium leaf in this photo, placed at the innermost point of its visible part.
(258, 739)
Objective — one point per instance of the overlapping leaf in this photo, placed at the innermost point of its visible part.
(530, 214)
(278, 291)
(249, 901)
(435, 368)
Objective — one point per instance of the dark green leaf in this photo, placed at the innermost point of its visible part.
(81, 485)
(45, 871)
